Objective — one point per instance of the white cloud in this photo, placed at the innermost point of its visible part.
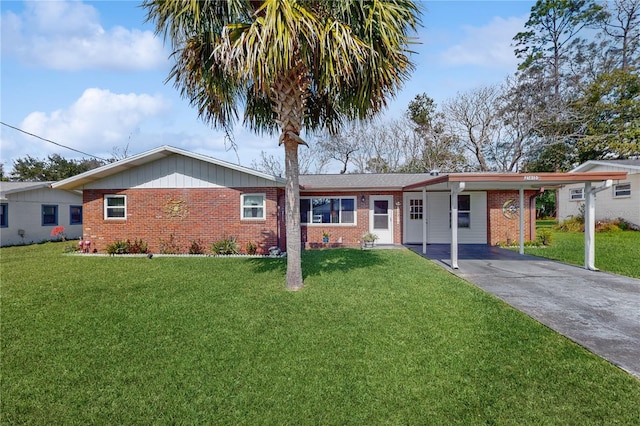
(486, 46)
(96, 123)
(66, 35)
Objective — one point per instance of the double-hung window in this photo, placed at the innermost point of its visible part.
(4, 215)
(49, 215)
(328, 210)
(75, 215)
(622, 190)
(253, 206)
(576, 194)
(115, 206)
(464, 211)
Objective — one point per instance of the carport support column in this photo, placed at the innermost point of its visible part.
(521, 220)
(590, 223)
(457, 189)
(424, 220)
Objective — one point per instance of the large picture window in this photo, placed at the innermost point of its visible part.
(253, 206)
(328, 210)
(49, 215)
(464, 211)
(75, 215)
(115, 206)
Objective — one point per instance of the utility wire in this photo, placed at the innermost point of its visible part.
(50, 141)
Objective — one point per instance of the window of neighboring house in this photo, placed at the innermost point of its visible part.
(115, 206)
(464, 211)
(4, 215)
(49, 215)
(415, 209)
(253, 206)
(75, 215)
(622, 190)
(328, 210)
(576, 194)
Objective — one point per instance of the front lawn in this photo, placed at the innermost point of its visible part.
(376, 337)
(617, 252)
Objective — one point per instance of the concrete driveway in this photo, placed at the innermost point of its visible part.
(597, 310)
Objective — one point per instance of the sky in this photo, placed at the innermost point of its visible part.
(91, 75)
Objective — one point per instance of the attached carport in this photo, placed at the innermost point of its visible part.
(455, 183)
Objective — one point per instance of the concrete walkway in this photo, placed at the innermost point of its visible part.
(597, 310)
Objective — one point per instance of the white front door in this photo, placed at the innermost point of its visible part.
(381, 218)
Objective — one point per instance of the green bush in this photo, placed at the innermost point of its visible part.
(544, 237)
(117, 247)
(225, 246)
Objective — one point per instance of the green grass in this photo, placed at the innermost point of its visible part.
(617, 252)
(376, 337)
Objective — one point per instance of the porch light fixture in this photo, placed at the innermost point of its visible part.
(362, 199)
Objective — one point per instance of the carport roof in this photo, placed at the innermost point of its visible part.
(492, 181)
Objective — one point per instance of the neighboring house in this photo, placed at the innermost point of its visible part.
(169, 196)
(621, 200)
(29, 211)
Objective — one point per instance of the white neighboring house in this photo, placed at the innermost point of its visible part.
(622, 200)
(29, 211)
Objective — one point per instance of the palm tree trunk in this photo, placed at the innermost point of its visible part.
(292, 215)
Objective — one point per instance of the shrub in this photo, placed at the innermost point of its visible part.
(170, 247)
(607, 227)
(117, 247)
(574, 224)
(251, 248)
(196, 247)
(225, 246)
(544, 237)
(136, 247)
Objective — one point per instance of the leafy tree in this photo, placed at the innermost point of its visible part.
(53, 168)
(623, 26)
(609, 114)
(291, 66)
(3, 178)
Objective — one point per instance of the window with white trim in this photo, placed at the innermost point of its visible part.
(576, 194)
(622, 190)
(464, 211)
(115, 206)
(253, 206)
(328, 210)
(415, 209)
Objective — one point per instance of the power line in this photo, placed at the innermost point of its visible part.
(50, 141)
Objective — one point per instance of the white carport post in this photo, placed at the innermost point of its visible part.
(590, 223)
(457, 189)
(521, 210)
(424, 220)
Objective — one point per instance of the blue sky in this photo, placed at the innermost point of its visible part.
(91, 75)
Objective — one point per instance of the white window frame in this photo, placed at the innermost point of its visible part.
(617, 190)
(263, 206)
(317, 219)
(108, 208)
(462, 224)
(576, 194)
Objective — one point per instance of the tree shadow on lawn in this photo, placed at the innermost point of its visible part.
(316, 262)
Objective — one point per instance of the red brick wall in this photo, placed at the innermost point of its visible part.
(207, 214)
(499, 227)
(350, 234)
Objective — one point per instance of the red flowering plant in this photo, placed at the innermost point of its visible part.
(58, 232)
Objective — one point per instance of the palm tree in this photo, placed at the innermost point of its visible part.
(291, 65)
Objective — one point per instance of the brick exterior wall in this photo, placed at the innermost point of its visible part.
(206, 215)
(501, 228)
(351, 235)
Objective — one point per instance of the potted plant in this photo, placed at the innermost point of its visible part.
(369, 239)
(325, 236)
